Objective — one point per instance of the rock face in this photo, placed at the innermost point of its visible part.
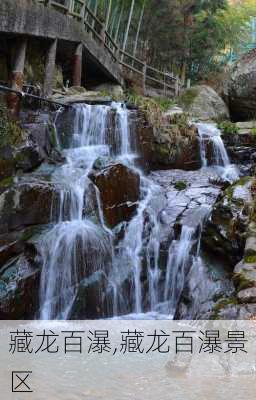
(19, 286)
(225, 232)
(90, 297)
(204, 104)
(174, 145)
(26, 204)
(240, 141)
(37, 145)
(81, 95)
(119, 189)
(110, 88)
(242, 87)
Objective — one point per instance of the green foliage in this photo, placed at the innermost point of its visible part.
(195, 37)
(180, 185)
(228, 128)
(187, 97)
(253, 131)
(181, 120)
(221, 304)
(10, 131)
(250, 259)
(153, 107)
(164, 103)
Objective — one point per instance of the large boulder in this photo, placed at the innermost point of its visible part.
(27, 204)
(173, 145)
(225, 232)
(90, 300)
(204, 104)
(242, 87)
(19, 286)
(119, 188)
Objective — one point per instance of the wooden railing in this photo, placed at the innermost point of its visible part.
(79, 10)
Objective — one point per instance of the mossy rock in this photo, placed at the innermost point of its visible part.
(222, 304)
(180, 185)
(10, 131)
(245, 279)
(250, 259)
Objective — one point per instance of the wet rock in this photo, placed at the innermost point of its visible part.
(247, 295)
(204, 104)
(15, 243)
(225, 232)
(28, 157)
(172, 146)
(7, 162)
(245, 275)
(241, 91)
(90, 300)
(37, 145)
(19, 290)
(10, 246)
(119, 189)
(241, 145)
(250, 247)
(80, 95)
(91, 206)
(26, 204)
(237, 312)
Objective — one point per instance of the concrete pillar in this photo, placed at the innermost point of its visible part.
(77, 66)
(50, 68)
(17, 78)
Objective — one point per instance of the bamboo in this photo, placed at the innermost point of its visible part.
(108, 14)
(128, 25)
(138, 30)
(119, 22)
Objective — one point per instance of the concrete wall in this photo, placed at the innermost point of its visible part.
(26, 17)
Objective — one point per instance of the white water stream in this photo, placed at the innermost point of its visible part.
(210, 140)
(77, 245)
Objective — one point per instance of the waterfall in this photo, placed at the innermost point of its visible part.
(80, 243)
(131, 249)
(76, 246)
(179, 254)
(211, 141)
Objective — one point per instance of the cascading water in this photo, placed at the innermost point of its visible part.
(179, 254)
(77, 247)
(80, 243)
(210, 140)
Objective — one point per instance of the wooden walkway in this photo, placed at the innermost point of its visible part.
(79, 10)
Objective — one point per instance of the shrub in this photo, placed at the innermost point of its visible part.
(180, 185)
(228, 128)
(10, 132)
